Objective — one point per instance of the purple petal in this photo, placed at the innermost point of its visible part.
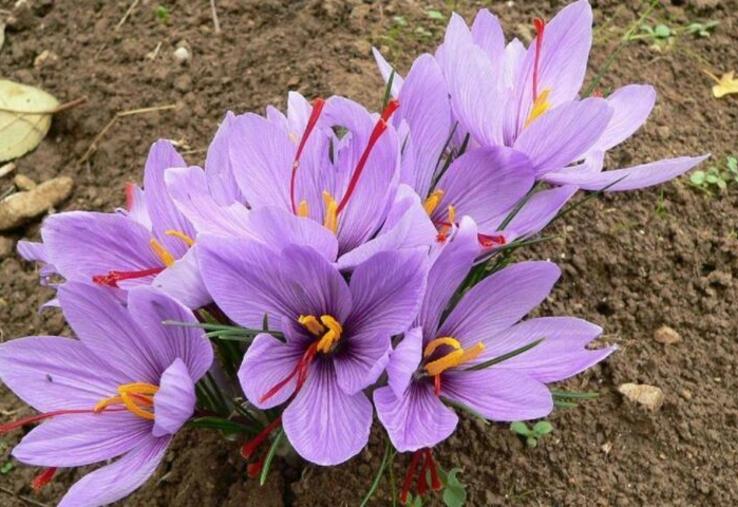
(174, 403)
(564, 134)
(560, 355)
(164, 344)
(448, 271)
(136, 208)
(631, 106)
(539, 210)
(84, 244)
(632, 178)
(267, 362)
(53, 373)
(183, 282)
(499, 301)
(415, 420)
(497, 394)
(358, 362)
(113, 482)
(248, 280)
(81, 439)
(324, 424)
(164, 214)
(387, 291)
(483, 183)
(487, 34)
(220, 179)
(106, 328)
(386, 70)
(425, 105)
(404, 360)
(32, 251)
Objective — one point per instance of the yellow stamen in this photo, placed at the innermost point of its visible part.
(180, 235)
(540, 106)
(332, 336)
(302, 209)
(132, 396)
(451, 215)
(166, 257)
(312, 324)
(330, 221)
(432, 202)
(456, 357)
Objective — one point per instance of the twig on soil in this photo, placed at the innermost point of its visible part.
(57, 109)
(93, 146)
(216, 23)
(128, 13)
(26, 499)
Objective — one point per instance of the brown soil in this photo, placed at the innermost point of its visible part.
(666, 256)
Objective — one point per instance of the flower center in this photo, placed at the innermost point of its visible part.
(444, 226)
(327, 328)
(456, 356)
(432, 202)
(137, 397)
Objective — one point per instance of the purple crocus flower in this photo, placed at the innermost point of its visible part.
(122, 389)
(336, 334)
(433, 361)
(146, 244)
(564, 137)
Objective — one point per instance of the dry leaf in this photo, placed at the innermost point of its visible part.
(725, 85)
(25, 118)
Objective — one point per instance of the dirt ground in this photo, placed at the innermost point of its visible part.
(632, 262)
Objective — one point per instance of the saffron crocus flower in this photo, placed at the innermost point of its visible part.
(336, 334)
(123, 389)
(148, 243)
(436, 360)
(563, 136)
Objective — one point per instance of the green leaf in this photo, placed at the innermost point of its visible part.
(218, 423)
(505, 357)
(532, 442)
(542, 428)
(25, 118)
(697, 177)
(399, 20)
(662, 32)
(520, 428)
(380, 473)
(721, 184)
(437, 15)
(270, 457)
(732, 164)
(712, 178)
(577, 395)
(6, 468)
(454, 492)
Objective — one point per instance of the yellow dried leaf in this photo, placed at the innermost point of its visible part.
(25, 118)
(725, 84)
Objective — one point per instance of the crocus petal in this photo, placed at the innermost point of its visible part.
(499, 301)
(84, 244)
(407, 226)
(248, 280)
(415, 420)
(425, 106)
(165, 344)
(539, 210)
(564, 134)
(53, 373)
(115, 481)
(267, 362)
(183, 282)
(220, 179)
(324, 424)
(386, 292)
(262, 161)
(497, 394)
(361, 361)
(487, 34)
(81, 439)
(106, 328)
(483, 183)
(136, 208)
(33, 251)
(404, 360)
(560, 355)
(164, 214)
(631, 106)
(188, 188)
(386, 70)
(174, 403)
(632, 178)
(448, 271)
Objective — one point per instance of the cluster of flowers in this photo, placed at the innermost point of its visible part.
(332, 257)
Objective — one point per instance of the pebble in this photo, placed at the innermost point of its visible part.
(664, 132)
(23, 182)
(667, 336)
(21, 207)
(45, 59)
(182, 55)
(650, 397)
(6, 246)
(7, 169)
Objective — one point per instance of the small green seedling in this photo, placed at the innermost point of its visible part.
(702, 29)
(399, 20)
(6, 468)
(437, 15)
(658, 33)
(162, 13)
(454, 492)
(531, 435)
(715, 176)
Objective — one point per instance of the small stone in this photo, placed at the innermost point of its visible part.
(667, 336)
(650, 397)
(45, 59)
(7, 169)
(183, 83)
(23, 182)
(6, 246)
(293, 81)
(664, 132)
(606, 447)
(182, 55)
(21, 207)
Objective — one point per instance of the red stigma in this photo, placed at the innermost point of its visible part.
(318, 105)
(254, 469)
(252, 445)
(130, 194)
(43, 479)
(409, 476)
(14, 425)
(112, 278)
(437, 385)
(379, 129)
(428, 466)
(301, 370)
(490, 241)
(539, 26)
